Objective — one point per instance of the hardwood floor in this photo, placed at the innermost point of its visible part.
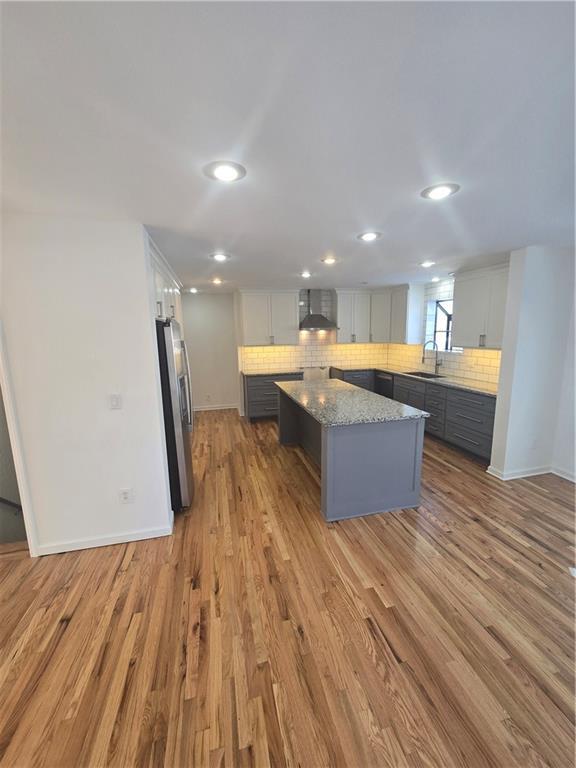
(259, 635)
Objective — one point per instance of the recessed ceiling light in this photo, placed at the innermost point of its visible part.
(369, 237)
(427, 264)
(219, 256)
(306, 274)
(225, 170)
(193, 290)
(435, 279)
(329, 260)
(440, 191)
(217, 281)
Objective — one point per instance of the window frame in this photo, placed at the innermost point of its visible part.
(448, 332)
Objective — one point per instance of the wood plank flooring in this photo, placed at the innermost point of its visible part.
(258, 635)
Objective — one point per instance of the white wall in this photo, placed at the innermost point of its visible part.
(536, 349)
(77, 326)
(563, 460)
(210, 334)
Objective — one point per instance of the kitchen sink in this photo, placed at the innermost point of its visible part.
(424, 374)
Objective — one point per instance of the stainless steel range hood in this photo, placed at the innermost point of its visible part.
(315, 320)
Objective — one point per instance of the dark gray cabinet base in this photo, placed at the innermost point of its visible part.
(365, 468)
(260, 394)
(461, 417)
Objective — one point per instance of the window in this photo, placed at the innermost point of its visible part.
(443, 325)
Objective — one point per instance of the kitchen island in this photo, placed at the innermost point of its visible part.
(368, 447)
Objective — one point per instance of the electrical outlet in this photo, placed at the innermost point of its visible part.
(115, 402)
(126, 495)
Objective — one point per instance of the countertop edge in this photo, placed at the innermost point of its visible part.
(442, 381)
(419, 413)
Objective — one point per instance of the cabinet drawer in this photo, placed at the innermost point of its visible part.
(472, 441)
(436, 391)
(416, 400)
(255, 410)
(482, 403)
(255, 382)
(433, 408)
(401, 394)
(408, 397)
(262, 390)
(435, 425)
(434, 404)
(472, 418)
(412, 384)
(363, 379)
(266, 396)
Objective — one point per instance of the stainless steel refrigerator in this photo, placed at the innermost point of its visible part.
(177, 405)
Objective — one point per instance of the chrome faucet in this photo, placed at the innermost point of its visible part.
(437, 362)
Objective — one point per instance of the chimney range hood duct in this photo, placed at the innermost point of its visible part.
(315, 320)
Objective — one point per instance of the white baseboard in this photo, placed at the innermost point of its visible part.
(518, 474)
(215, 407)
(564, 473)
(102, 541)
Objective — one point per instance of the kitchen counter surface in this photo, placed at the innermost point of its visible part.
(274, 371)
(334, 403)
(472, 385)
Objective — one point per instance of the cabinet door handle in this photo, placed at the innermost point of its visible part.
(470, 418)
(467, 439)
(173, 310)
(482, 340)
(353, 337)
(370, 337)
(270, 408)
(271, 339)
(269, 393)
(468, 401)
(159, 308)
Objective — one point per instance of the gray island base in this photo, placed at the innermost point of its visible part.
(368, 447)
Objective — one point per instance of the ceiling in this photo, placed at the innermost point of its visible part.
(341, 113)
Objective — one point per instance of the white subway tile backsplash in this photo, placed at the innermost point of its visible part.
(477, 364)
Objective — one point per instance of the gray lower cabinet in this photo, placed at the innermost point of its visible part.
(435, 404)
(410, 391)
(460, 417)
(260, 394)
(463, 418)
(470, 421)
(361, 378)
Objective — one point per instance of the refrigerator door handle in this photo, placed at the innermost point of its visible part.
(188, 393)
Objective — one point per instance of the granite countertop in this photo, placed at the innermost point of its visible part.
(472, 385)
(334, 403)
(273, 372)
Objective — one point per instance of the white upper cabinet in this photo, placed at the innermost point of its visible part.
(380, 316)
(353, 313)
(479, 307)
(284, 317)
(167, 289)
(397, 315)
(497, 309)
(268, 317)
(255, 319)
(345, 317)
(362, 317)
